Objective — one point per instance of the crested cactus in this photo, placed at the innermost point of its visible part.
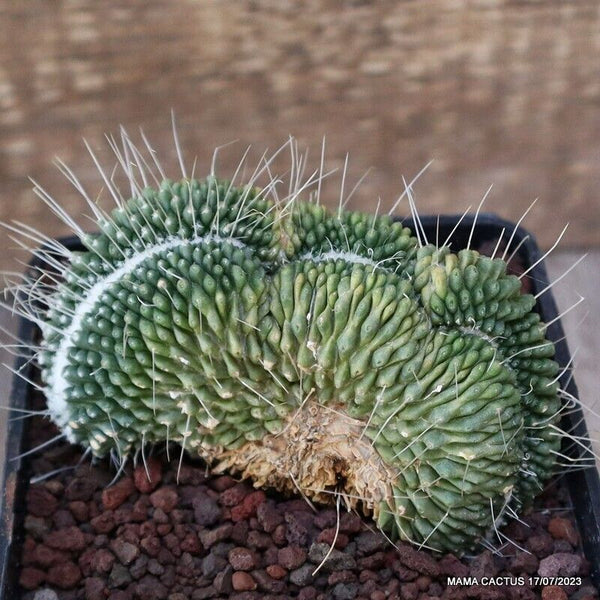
(326, 352)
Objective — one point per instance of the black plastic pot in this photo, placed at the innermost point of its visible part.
(583, 484)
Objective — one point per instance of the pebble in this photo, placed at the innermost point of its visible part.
(31, 578)
(276, 571)
(165, 499)
(553, 592)
(223, 581)
(104, 522)
(206, 510)
(45, 556)
(345, 591)
(233, 496)
(303, 575)
(336, 560)
(541, 544)
(154, 567)
(55, 486)
(563, 529)
(374, 561)
(150, 588)
(79, 510)
(81, 488)
(202, 593)
(326, 518)
(100, 540)
(169, 576)
(63, 518)
(366, 575)
(248, 506)
(212, 565)
(239, 533)
(45, 594)
(165, 557)
(449, 565)
(561, 546)
(190, 475)
(139, 567)
(222, 483)
(560, 564)
(114, 496)
(266, 583)
(523, 563)
(280, 536)
(268, 516)
(94, 588)
(103, 561)
(119, 576)
(518, 531)
(401, 572)
(350, 522)
(327, 536)
(368, 542)
(223, 548)
(297, 528)
(191, 543)
(212, 536)
(308, 593)
(297, 505)
(482, 565)
(69, 538)
(409, 591)
(243, 559)
(259, 540)
(123, 514)
(147, 477)
(160, 516)
(40, 502)
(586, 592)
(125, 551)
(38, 527)
(120, 595)
(243, 582)
(418, 561)
(291, 557)
(341, 577)
(65, 575)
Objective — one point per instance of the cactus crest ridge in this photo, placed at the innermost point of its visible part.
(326, 352)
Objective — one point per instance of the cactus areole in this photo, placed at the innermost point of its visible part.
(327, 352)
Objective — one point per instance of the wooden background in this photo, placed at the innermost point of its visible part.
(502, 92)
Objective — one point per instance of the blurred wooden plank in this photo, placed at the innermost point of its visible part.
(496, 91)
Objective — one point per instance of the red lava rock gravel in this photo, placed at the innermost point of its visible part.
(147, 477)
(215, 537)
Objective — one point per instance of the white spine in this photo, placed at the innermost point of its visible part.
(57, 383)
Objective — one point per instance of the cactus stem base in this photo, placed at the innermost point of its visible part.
(320, 451)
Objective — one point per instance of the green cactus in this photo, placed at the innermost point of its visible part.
(327, 351)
